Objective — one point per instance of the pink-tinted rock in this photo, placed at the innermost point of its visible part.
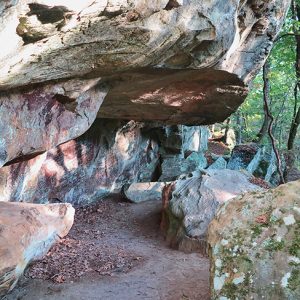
(37, 119)
(27, 231)
(80, 171)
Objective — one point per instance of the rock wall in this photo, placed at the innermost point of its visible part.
(109, 155)
(178, 62)
(35, 120)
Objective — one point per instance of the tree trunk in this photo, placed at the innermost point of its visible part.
(227, 127)
(296, 117)
(270, 117)
(238, 128)
(293, 131)
(264, 128)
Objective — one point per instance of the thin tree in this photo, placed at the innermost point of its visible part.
(296, 115)
(266, 96)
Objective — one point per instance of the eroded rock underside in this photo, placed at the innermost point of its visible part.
(178, 62)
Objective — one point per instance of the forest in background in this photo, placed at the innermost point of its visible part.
(278, 85)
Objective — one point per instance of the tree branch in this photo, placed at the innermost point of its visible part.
(270, 116)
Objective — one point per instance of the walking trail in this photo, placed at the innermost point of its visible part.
(115, 251)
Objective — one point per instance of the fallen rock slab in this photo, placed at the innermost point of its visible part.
(27, 231)
(144, 191)
(255, 246)
(193, 203)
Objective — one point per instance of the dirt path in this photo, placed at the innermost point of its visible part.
(147, 269)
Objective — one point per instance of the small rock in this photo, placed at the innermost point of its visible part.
(144, 191)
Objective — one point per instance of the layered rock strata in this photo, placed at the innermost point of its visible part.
(178, 62)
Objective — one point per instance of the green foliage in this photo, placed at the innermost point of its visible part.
(283, 79)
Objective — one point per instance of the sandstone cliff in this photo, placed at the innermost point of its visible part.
(178, 62)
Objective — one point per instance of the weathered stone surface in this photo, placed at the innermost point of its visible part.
(144, 191)
(219, 164)
(181, 139)
(177, 165)
(188, 62)
(27, 231)
(194, 139)
(111, 154)
(255, 246)
(242, 156)
(35, 120)
(193, 203)
(174, 96)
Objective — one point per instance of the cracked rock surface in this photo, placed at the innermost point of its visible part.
(177, 61)
(41, 118)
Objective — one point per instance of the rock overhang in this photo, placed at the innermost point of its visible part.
(178, 97)
(176, 62)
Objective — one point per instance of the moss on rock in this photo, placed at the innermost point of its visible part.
(255, 246)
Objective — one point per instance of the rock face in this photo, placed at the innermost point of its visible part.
(192, 204)
(27, 231)
(177, 165)
(109, 155)
(255, 246)
(35, 120)
(193, 35)
(178, 62)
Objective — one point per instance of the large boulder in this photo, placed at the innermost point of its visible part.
(178, 62)
(27, 231)
(255, 246)
(192, 204)
(110, 154)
